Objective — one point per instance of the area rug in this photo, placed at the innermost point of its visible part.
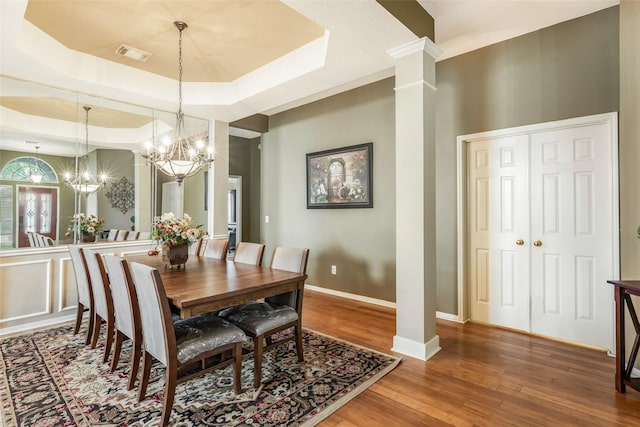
(50, 378)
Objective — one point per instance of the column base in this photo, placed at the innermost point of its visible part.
(422, 351)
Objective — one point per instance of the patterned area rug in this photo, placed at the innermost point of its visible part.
(49, 378)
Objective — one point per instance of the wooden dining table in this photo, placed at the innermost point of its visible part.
(207, 284)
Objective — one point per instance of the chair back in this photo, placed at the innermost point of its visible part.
(155, 314)
(217, 248)
(125, 300)
(47, 241)
(144, 235)
(249, 253)
(194, 248)
(102, 300)
(82, 275)
(112, 234)
(122, 235)
(288, 259)
(204, 242)
(132, 235)
(32, 240)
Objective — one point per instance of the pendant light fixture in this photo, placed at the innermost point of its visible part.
(83, 180)
(34, 172)
(179, 155)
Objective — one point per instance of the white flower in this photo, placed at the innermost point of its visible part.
(193, 234)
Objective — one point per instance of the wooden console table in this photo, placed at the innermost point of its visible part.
(623, 291)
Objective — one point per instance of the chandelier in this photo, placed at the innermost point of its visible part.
(83, 180)
(179, 155)
(33, 172)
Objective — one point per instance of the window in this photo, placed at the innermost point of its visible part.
(21, 168)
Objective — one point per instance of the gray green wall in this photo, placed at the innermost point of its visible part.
(629, 139)
(567, 70)
(359, 242)
(244, 160)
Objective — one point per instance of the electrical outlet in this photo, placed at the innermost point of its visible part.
(334, 270)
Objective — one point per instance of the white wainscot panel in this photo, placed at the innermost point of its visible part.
(585, 272)
(550, 152)
(25, 289)
(482, 159)
(507, 157)
(68, 294)
(583, 149)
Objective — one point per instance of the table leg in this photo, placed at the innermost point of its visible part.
(620, 351)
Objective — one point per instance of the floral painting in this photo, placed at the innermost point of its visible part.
(340, 178)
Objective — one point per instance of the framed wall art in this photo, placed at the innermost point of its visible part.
(340, 178)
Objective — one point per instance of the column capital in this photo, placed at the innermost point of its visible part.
(422, 44)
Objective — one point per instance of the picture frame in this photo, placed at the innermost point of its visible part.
(340, 178)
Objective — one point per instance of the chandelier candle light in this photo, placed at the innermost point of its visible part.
(83, 180)
(179, 155)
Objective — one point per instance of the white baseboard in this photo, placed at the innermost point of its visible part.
(422, 351)
(37, 325)
(361, 298)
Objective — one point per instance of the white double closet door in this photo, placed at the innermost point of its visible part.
(541, 207)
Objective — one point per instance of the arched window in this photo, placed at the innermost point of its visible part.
(23, 168)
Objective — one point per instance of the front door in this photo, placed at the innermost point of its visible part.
(37, 212)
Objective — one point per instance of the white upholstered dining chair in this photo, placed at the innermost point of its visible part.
(83, 286)
(180, 345)
(102, 301)
(217, 248)
(126, 313)
(261, 320)
(249, 253)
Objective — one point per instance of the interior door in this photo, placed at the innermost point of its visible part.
(499, 231)
(37, 212)
(571, 228)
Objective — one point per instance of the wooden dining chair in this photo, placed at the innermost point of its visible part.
(122, 235)
(249, 253)
(102, 300)
(194, 248)
(217, 248)
(204, 242)
(83, 286)
(182, 345)
(132, 235)
(127, 314)
(113, 233)
(261, 320)
(144, 235)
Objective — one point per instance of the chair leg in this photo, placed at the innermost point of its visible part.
(96, 330)
(169, 395)
(237, 367)
(299, 348)
(135, 362)
(144, 381)
(117, 347)
(76, 328)
(257, 360)
(89, 328)
(108, 340)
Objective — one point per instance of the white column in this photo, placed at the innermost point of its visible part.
(415, 199)
(218, 180)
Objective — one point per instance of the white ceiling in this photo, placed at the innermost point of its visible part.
(353, 51)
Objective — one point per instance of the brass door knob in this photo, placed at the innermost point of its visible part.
(537, 243)
(519, 242)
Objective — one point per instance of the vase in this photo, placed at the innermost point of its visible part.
(88, 237)
(175, 255)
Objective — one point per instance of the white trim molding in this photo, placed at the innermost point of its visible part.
(422, 351)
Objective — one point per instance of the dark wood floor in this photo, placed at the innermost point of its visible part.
(483, 376)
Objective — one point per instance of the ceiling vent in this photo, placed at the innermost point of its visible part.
(133, 53)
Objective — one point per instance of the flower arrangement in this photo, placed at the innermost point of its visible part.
(89, 224)
(170, 230)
